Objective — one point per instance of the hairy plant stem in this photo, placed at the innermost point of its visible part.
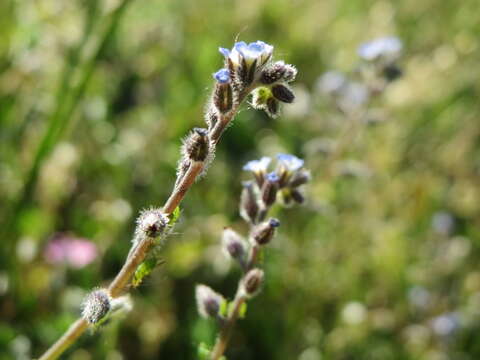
(141, 250)
(71, 335)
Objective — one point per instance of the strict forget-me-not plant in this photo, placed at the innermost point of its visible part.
(248, 69)
(282, 185)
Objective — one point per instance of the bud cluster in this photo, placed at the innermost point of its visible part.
(283, 184)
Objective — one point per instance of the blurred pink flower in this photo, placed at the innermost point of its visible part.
(67, 249)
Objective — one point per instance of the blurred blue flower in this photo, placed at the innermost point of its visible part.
(258, 166)
(388, 47)
(290, 162)
(222, 76)
(331, 82)
(272, 177)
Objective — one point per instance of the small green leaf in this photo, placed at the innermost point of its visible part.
(242, 311)
(174, 216)
(203, 351)
(144, 269)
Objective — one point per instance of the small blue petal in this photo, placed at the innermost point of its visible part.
(222, 76)
(258, 165)
(274, 223)
(254, 47)
(272, 177)
(225, 52)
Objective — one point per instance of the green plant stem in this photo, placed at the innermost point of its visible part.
(227, 329)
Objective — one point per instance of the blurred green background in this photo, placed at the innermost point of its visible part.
(381, 262)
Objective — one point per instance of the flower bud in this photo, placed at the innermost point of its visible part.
(264, 232)
(96, 306)
(272, 107)
(222, 96)
(252, 282)
(248, 202)
(283, 93)
(196, 146)
(277, 72)
(297, 196)
(392, 72)
(233, 244)
(273, 73)
(269, 189)
(299, 178)
(208, 301)
(151, 223)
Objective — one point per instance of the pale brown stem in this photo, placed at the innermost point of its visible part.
(181, 189)
(138, 254)
(70, 336)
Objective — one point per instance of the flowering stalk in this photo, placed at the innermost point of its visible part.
(258, 196)
(378, 68)
(245, 67)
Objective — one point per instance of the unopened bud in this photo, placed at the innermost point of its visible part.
(392, 72)
(248, 202)
(290, 73)
(283, 93)
(273, 73)
(96, 306)
(299, 178)
(252, 282)
(233, 244)
(208, 301)
(222, 96)
(197, 145)
(297, 196)
(263, 233)
(272, 107)
(151, 223)
(269, 189)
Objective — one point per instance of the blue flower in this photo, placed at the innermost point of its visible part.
(272, 177)
(222, 76)
(388, 47)
(258, 166)
(290, 162)
(257, 50)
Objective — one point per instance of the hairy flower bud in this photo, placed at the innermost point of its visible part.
(208, 301)
(283, 93)
(252, 282)
(269, 189)
(263, 233)
(96, 306)
(277, 72)
(223, 95)
(272, 108)
(297, 196)
(233, 244)
(299, 178)
(248, 202)
(151, 223)
(197, 145)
